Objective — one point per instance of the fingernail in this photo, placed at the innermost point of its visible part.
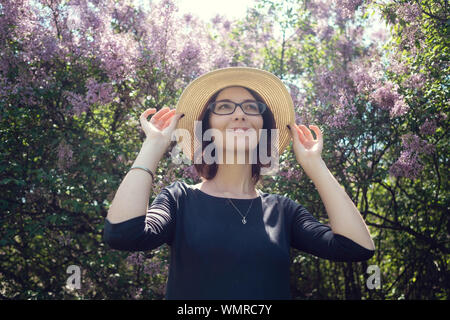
(182, 116)
(289, 127)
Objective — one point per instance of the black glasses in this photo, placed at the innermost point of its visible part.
(250, 107)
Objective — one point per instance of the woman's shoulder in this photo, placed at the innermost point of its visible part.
(182, 188)
(183, 185)
(282, 199)
(179, 187)
(176, 189)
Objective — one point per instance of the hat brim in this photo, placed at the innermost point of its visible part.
(195, 96)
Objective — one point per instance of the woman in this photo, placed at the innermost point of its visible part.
(229, 240)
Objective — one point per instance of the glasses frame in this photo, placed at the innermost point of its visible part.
(210, 107)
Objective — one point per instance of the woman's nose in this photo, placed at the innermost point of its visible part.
(238, 112)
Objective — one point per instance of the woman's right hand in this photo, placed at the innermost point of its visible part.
(161, 125)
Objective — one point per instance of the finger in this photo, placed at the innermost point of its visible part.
(306, 131)
(143, 118)
(169, 121)
(301, 137)
(147, 112)
(293, 130)
(167, 115)
(172, 122)
(300, 134)
(160, 113)
(317, 131)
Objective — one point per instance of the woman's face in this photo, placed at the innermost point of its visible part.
(243, 141)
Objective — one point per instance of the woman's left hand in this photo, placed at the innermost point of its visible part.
(307, 150)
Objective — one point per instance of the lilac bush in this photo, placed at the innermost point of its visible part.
(75, 75)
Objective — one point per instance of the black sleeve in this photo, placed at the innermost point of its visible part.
(311, 236)
(145, 232)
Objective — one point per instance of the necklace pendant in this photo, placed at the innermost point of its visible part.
(244, 221)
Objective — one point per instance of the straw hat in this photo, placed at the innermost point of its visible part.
(195, 96)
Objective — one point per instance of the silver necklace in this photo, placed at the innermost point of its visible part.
(244, 220)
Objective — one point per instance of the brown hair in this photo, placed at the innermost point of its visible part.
(208, 171)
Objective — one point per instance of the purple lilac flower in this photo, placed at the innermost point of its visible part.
(78, 102)
(347, 8)
(387, 98)
(226, 25)
(320, 8)
(216, 20)
(415, 81)
(101, 93)
(187, 17)
(135, 258)
(362, 78)
(400, 108)
(409, 12)
(428, 127)
(415, 144)
(406, 166)
(153, 267)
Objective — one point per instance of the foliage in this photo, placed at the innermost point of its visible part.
(75, 76)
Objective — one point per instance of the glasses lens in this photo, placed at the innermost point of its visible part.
(253, 107)
(227, 107)
(222, 107)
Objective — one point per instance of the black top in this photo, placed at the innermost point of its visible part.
(215, 256)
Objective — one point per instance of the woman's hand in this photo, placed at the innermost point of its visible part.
(160, 127)
(307, 150)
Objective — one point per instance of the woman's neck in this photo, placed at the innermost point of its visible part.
(233, 180)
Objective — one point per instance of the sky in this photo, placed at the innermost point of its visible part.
(207, 9)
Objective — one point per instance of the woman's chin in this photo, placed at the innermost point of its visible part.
(237, 156)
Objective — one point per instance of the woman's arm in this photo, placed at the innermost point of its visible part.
(345, 218)
(131, 199)
(145, 232)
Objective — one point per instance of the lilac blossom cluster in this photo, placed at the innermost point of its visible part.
(118, 40)
(291, 174)
(428, 127)
(408, 164)
(410, 13)
(347, 8)
(337, 95)
(387, 98)
(127, 45)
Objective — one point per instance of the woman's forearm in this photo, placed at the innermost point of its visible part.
(132, 196)
(345, 219)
